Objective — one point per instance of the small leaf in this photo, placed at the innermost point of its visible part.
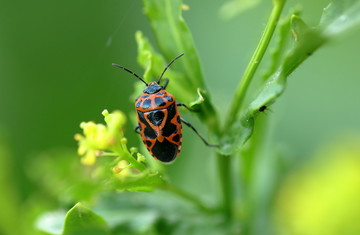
(283, 37)
(205, 110)
(238, 134)
(81, 220)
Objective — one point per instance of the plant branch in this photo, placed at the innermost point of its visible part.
(128, 157)
(242, 88)
(225, 182)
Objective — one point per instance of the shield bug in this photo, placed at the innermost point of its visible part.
(159, 121)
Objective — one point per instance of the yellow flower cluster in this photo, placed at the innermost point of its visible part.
(98, 138)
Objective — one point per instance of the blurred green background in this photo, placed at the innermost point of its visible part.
(55, 71)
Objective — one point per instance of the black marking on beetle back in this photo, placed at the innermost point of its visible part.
(148, 131)
(159, 101)
(170, 128)
(176, 138)
(171, 112)
(156, 117)
(165, 151)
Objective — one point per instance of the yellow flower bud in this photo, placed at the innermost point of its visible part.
(82, 149)
(78, 137)
(116, 169)
(89, 158)
(133, 150)
(140, 157)
(105, 112)
(123, 141)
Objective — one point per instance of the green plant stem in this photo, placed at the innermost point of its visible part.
(224, 162)
(109, 154)
(225, 182)
(254, 63)
(128, 157)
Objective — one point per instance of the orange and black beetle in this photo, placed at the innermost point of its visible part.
(159, 121)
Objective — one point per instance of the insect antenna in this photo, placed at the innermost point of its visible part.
(129, 71)
(167, 66)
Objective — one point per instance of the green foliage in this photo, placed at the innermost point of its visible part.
(173, 38)
(158, 206)
(286, 59)
(128, 173)
(81, 220)
(167, 23)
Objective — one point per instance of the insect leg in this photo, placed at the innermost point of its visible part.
(184, 105)
(193, 128)
(136, 129)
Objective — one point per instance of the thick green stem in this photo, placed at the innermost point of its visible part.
(225, 182)
(242, 88)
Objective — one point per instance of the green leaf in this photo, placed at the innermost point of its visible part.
(161, 211)
(81, 220)
(154, 64)
(307, 41)
(237, 135)
(283, 40)
(173, 38)
(338, 18)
